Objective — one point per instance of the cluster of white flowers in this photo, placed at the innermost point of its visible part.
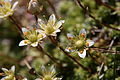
(79, 43)
(35, 35)
(46, 74)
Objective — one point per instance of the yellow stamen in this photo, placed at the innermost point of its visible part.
(69, 48)
(82, 34)
(87, 43)
(25, 33)
(25, 42)
(70, 38)
(1, 74)
(81, 52)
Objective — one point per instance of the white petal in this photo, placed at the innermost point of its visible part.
(90, 43)
(42, 33)
(52, 19)
(34, 44)
(24, 30)
(38, 79)
(8, 14)
(54, 33)
(1, 16)
(7, 77)
(13, 68)
(3, 78)
(4, 69)
(69, 50)
(43, 68)
(52, 69)
(83, 31)
(58, 30)
(101, 76)
(41, 23)
(24, 42)
(7, 0)
(82, 55)
(59, 23)
(14, 5)
(70, 36)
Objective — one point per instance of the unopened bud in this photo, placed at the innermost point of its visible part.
(34, 7)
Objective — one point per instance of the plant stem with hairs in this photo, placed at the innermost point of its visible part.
(17, 24)
(51, 57)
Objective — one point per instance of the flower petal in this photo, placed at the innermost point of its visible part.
(14, 5)
(69, 49)
(83, 32)
(41, 34)
(24, 42)
(89, 43)
(70, 36)
(24, 79)
(35, 44)
(52, 19)
(59, 23)
(43, 69)
(38, 79)
(55, 32)
(24, 30)
(3, 78)
(41, 23)
(82, 55)
(52, 70)
(58, 30)
(13, 68)
(4, 69)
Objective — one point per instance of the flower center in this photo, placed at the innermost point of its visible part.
(79, 43)
(32, 37)
(47, 77)
(49, 30)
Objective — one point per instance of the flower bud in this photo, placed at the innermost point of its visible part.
(34, 7)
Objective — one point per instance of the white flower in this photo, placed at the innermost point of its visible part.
(6, 8)
(79, 43)
(48, 74)
(32, 37)
(51, 28)
(9, 74)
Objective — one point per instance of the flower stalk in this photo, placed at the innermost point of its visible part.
(51, 57)
(17, 25)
